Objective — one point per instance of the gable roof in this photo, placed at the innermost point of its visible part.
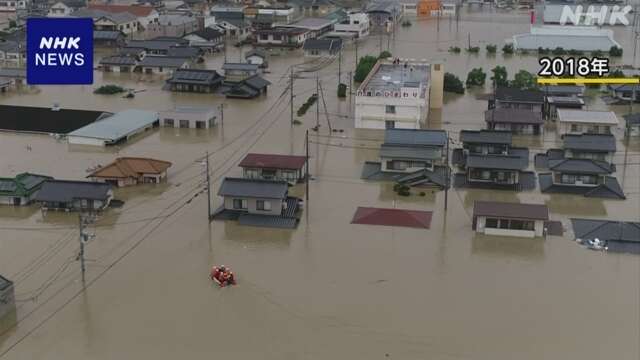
(513, 116)
(183, 51)
(253, 188)
(195, 76)
(632, 119)
(207, 34)
(392, 151)
(256, 82)
(118, 60)
(606, 230)
(240, 66)
(126, 167)
(45, 119)
(486, 136)
(163, 61)
(4, 282)
(581, 166)
(506, 162)
(273, 161)
(117, 126)
(593, 142)
(67, 190)
(587, 116)
(107, 35)
(418, 137)
(22, 184)
(137, 10)
(392, 217)
(510, 94)
(510, 210)
(553, 90)
(256, 52)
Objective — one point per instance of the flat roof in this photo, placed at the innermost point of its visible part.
(587, 116)
(510, 210)
(394, 77)
(117, 126)
(567, 42)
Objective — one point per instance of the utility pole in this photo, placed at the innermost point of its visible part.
(380, 42)
(350, 90)
(307, 167)
(222, 114)
(291, 92)
(340, 65)
(84, 238)
(356, 51)
(317, 102)
(208, 186)
(448, 180)
(469, 47)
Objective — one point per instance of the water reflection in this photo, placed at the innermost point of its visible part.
(574, 205)
(248, 236)
(508, 246)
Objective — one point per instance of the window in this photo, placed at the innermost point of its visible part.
(436, 67)
(277, 37)
(240, 204)
(504, 224)
(289, 175)
(389, 124)
(390, 109)
(491, 223)
(574, 128)
(251, 173)
(398, 165)
(568, 179)
(264, 37)
(168, 122)
(263, 205)
(184, 124)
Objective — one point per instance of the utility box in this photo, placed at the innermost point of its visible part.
(7, 297)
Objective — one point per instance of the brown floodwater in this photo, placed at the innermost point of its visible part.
(328, 289)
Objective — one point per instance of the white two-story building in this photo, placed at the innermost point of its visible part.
(356, 23)
(398, 94)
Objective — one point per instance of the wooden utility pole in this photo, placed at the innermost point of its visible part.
(469, 47)
(222, 114)
(307, 167)
(350, 90)
(317, 101)
(448, 180)
(83, 240)
(208, 186)
(340, 65)
(356, 51)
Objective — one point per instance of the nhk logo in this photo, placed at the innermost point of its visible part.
(60, 51)
(595, 15)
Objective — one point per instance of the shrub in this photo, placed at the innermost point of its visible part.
(558, 51)
(454, 49)
(342, 90)
(385, 55)
(109, 90)
(597, 53)
(476, 77)
(310, 101)
(575, 52)
(615, 51)
(365, 65)
(508, 49)
(453, 84)
(406, 23)
(402, 190)
(474, 49)
(422, 193)
(491, 49)
(524, 80)
(297, 122)
(500, 76)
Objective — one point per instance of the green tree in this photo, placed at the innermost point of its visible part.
(615, 51)
(558, 51)
(508, 49)
(454, 49)
(476, 77)
(491, 49)
(524, 80)
(342, 90)
(385, 55)
(365, 65)
(500, 76)
(453, 84)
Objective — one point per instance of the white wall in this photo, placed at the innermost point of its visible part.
(370, 112)
(538, 229)
(80, 140)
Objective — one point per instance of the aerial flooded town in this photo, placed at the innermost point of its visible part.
(319, 179)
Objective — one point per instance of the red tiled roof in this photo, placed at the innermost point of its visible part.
(273, 161)
(137, 10)
(392, 217)
(125, 167)
(511, 210)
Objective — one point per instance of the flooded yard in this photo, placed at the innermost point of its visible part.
(328, 289)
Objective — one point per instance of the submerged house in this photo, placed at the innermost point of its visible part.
(70, 195)
(583, 121)
(289, 168)
(625, 92)
(322, 47)
(601, 147)
(632, 124)
(256, 57)
(20, 189)
(518, 121)
(118, 63)
(258, 203)
(249, 88)
(619, 236)
(509, 219)
(152, 64)
(195, 80)
(514, 98)
(411, 157)
(189, 117)
(555, 103)
(126, 171)
(207, 39)
(281, 37)
(107, 38)
(587, 177)
(238, 72)
(488, 160)
(115, 128)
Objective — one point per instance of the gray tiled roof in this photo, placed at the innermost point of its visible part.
(408, 152)
(257, 82)
(632, 119)
(580, 166)
(240, 66)
(513, 116)
(560, 90)
(4, 282)
(506, 162)
(106, 35)
(606, 230)
(118, 60)
(415, 137)
(252, 188)
(593, 142)
(510, 94)
(195, 76)
(13, 73)
(66, 191)
(486, 136)
(183, 51)
(163, 61)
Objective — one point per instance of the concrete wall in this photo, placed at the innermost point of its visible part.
(80, 140)
(276, 205)
(192, 117)
(370, 112)
(538, 229)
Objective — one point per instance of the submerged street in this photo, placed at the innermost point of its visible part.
(328, 289)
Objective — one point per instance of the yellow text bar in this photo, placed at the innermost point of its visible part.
(588, 81)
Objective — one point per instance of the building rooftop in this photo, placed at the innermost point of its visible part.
(240, 66)
(390, 151)
(331, 45)
(183, 51)
(388, 80)
(392, 217)
(565, 100)
(67, 190)
(45, 119)
(117, 126)
(632, 119)
(311, 23)
(513, 116)
(207, 34)
(163, 61)
(587, 116)
(417, 137)
(593, 142)
(273, 161)
(506, 162)
(486, 136)
(13, 73)
(253, 188)
(554, 90)
(137, 10)
(577, 39)
(257, 82)
(106, 35)
(4, 282)
(510, 210)
(125, 167)
(509, 94)
(195, 76)
(154, 45)
(606, 230)
(118, 60)
(22, 184)
(580, 166)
